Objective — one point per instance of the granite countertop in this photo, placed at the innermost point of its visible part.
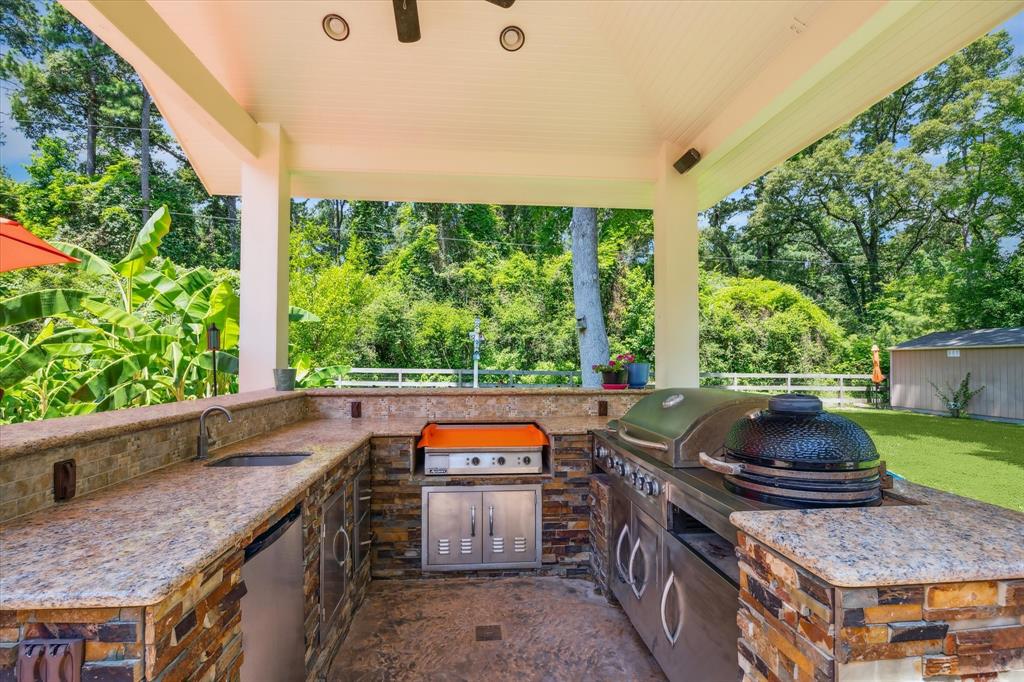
(132, 544)
(942, 538)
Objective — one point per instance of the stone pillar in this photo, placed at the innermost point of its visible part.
(675, 275)
(263, 335)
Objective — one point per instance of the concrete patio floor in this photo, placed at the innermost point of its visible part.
(491, 629)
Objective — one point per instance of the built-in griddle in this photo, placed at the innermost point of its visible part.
(484, 449)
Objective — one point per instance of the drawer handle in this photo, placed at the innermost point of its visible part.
(490, 520)
(618, 554)
(472, 521)
(672, 637)
(632, 580)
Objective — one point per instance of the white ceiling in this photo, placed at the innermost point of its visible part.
(578, 116)
(594, 79)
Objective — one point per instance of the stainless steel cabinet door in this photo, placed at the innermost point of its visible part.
(455, 525)
(362, 537)
(697, 613)
(620, 539)
(335, 561)
(643, 574)
(510, 520)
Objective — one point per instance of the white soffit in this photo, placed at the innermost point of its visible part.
(597, 88)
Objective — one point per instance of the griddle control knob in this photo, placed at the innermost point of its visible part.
(526, 459)
(475, 461)
(638, 482)
(501, 460)
(652, 487)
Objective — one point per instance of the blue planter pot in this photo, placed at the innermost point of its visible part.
(638, 374)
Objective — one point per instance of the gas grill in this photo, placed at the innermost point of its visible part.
(484, 449)
(680, 461)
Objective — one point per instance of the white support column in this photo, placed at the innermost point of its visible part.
(675, 274)
(263, 334)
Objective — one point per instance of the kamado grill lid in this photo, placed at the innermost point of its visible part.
(794, 432)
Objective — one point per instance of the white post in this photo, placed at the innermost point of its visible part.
(263, 323)
(675, 274)
(842, 391)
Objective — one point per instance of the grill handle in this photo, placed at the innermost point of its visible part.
(638, 441)
(720, 466)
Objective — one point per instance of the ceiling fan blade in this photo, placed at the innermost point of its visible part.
(407, 20)
(502, 3)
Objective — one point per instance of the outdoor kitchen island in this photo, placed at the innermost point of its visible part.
(148, 571)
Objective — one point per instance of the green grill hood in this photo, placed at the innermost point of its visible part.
(676, 424)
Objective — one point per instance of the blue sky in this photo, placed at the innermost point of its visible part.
(15, 150)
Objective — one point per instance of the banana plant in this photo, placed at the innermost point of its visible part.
(145, 344)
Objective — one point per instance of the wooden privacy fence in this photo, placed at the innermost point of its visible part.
(834, 389)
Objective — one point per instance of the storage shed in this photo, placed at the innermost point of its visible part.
(994, 358)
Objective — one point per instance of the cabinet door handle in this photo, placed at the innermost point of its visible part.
(490, 520)
(472, 521)
(334, 547)
(670, 636)
(623, 534)
(632, 580)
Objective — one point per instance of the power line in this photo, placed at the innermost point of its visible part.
(152, 203)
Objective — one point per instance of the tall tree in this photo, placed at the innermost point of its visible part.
(593, 338)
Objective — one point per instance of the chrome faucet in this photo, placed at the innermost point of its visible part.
(203, 440)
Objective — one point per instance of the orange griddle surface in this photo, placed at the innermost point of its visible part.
(482, 436)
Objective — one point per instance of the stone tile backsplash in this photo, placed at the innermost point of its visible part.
(26, 478)
(26, 482)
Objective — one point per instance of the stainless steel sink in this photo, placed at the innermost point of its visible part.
(261, 459)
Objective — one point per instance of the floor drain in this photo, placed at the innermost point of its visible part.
(488, 633)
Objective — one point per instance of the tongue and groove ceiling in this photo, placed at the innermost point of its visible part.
(598, 87)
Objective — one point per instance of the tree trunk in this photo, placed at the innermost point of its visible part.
(234, 228)
(586, 293)
(91, 114)
(144, 159)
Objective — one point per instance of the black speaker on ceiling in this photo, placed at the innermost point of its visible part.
(687, 161)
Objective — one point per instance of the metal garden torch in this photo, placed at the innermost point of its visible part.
(213, 345)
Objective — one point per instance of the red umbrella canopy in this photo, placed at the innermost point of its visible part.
(19, 248)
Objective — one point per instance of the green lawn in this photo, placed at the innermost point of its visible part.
(979, 459)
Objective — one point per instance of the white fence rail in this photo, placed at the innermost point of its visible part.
(839, 389)
(835, 389)
(398, 377)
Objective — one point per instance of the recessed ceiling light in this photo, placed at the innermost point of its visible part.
(512, 38)
(335, 27)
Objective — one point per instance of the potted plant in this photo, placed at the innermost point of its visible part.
(638, 373)
(613, 373)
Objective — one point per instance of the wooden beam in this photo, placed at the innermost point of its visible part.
(895, 44)
(173, 74)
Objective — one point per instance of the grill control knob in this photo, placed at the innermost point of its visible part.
(639, 482)
(652, 487)
(474, 461)
(501, 460)
(526, 460)
(626, 469)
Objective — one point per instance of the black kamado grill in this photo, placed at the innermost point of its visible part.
(794, 454)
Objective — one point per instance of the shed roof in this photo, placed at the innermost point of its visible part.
(964, 338)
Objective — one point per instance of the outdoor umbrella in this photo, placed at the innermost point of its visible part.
(876, 366)
(19, 248)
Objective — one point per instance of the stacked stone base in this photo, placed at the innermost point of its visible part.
(793, 626)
